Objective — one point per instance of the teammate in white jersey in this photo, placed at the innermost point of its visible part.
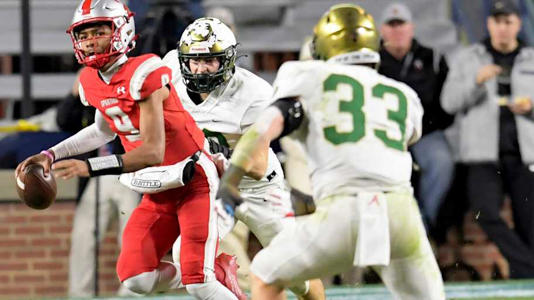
(355, 126)
(225, 100)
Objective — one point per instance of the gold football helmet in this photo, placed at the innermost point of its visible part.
(346, 33)
(204, 38)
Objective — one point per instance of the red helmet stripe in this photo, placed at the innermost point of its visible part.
(86, 7)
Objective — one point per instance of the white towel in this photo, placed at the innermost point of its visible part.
(372, 247)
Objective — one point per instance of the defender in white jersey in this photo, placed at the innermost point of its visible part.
(225, 100)
(356, 126)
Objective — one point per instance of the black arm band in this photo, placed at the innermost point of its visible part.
(293, 114)
(105, 165)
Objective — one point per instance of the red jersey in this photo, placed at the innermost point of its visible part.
(117, 100)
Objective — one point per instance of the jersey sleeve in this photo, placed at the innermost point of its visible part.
(292, 80)
(261, 102)
(171, 61)
(148, 77)
(82, 95)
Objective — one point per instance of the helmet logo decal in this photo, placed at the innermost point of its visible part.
(86, 7)
(199, 49)
(203, 34)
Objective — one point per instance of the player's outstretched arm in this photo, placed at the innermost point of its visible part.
(87, 139)
(268, 127)
(281, 118)
(260, 160)
(148, 154)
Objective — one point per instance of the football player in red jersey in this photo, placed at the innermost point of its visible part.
(135, 101)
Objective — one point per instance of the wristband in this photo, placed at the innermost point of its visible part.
(105, 165)
(48, 154)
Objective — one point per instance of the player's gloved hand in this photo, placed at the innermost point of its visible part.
(218, 148)
(228, 192)
(225, 221)
(302, 203)
(230, 198)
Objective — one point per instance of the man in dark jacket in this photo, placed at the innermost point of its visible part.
(424, 70)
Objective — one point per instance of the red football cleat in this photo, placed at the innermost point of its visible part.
(226, 273)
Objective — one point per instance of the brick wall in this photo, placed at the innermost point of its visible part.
(34, 248)
(34, 251)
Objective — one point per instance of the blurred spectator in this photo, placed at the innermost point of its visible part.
(490, 90)
(403, 58)
(162, 23)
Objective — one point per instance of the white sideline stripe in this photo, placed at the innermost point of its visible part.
(211, 243)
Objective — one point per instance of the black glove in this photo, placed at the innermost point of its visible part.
(302, 204)
(228, 192)
(218, 148)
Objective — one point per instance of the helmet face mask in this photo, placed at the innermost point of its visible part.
(95, 13)
(98, 56)
(207, 38)
(347, 34)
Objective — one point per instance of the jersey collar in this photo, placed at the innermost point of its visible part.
(106, 76)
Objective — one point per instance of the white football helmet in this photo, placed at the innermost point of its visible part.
(207, 37)
(122, 25)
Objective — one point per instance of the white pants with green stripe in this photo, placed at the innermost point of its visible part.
(325, 244)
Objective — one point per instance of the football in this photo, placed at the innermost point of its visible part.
(35, 189)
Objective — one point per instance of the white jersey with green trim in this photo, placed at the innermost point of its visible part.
(227, 113)
(358, 125)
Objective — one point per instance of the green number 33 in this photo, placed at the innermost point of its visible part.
(354, 107)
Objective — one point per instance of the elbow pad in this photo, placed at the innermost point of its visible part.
(293, 114)
(158, 179)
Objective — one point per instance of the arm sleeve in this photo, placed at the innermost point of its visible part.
(259, 94)
(460, 90)
(81, 94)
(291, 109)
(87, 139)
(149, 76)
(171, 61)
